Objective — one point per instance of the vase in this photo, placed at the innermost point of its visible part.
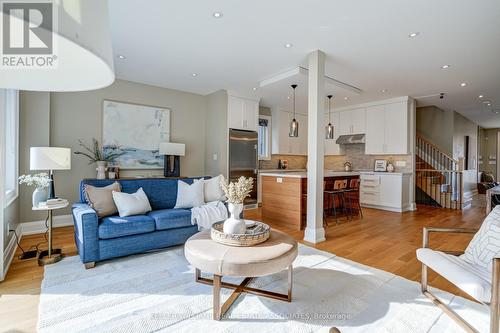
(234, 224)
(101, 169)
(390, 167)
(39, 195)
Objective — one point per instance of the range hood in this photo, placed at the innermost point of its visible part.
(351, 139)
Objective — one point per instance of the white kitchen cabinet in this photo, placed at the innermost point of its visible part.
(243, 113)
(352, 121)
(331, 147)
(282, 143)
(386, 191)
(387, 129)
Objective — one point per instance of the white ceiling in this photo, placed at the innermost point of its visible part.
(366, 43)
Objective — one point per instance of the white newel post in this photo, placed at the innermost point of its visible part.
(315, 232)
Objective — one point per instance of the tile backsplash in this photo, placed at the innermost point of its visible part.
(352, 153)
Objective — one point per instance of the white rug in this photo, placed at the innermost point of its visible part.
(156, 292)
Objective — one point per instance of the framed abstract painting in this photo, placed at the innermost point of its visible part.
(135, 131)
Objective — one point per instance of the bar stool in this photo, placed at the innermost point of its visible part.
(338, 191)
(352, 192)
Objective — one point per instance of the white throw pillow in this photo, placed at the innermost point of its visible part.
(486, 242)
(213, 191)
(131, 204)
(189, 196)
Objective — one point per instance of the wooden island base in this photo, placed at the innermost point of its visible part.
(284, 196)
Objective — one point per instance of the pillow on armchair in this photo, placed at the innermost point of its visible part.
(486, 242)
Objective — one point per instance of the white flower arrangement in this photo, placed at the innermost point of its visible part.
(39, 180)
(238, 191)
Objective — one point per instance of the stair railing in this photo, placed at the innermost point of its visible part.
(440, 182)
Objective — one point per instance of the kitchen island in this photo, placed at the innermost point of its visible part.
(284, 195)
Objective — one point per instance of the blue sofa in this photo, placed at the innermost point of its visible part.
(99, 239)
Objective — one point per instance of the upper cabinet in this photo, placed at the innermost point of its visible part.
(243, 113)
(387, 129)
(352, 121)
(282, 143)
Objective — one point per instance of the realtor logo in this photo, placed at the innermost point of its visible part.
(27, 34)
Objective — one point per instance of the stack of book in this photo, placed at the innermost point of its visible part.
(52, 203)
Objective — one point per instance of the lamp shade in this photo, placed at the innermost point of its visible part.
(50, 158)
(76, 41)
(169, 148)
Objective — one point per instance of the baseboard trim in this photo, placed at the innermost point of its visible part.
(38, 227)
(10, 251)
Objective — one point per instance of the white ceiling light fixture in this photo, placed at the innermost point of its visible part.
(194, 74)
(445, 66)
(217, 14)
(288, 45)
(346, 98)
(481, 96)
(383, 91)
(122, 57)
(413, 34)
(463, 84)
(80, 51)
(496, 111)
(254, 88)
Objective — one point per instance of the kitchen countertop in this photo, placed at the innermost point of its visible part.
(328, 173)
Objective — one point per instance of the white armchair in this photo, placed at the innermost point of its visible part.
(475, 280)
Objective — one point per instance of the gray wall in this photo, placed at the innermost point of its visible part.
(217, 134)
(436, 125)
(463, 127)
(34, 125)
(75, 116)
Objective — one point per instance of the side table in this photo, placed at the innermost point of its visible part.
(50, 256)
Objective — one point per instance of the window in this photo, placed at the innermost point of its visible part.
(264, 137)
(11, 139)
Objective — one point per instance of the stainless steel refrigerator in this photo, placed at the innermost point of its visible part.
(243, 159)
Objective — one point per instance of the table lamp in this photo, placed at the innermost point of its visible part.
(172, 151)
(50, 158)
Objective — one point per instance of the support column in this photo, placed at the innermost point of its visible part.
(315, 232)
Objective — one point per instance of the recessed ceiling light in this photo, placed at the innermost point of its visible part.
(496, 111)
(489, 104)
(288, 45)
(481, 96)
(120, 56)
(445, 66)
(217, 14)
(413, 34)
(288, 97)
(194, 74)
(346, 98)
(383, 91)
(254, 88)
(463, 84)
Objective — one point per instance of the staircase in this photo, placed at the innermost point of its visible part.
(439, 177)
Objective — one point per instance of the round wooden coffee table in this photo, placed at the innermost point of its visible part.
(272, 256)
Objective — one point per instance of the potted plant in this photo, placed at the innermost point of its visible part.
(41, 181)
(236, 193)
(98, 155)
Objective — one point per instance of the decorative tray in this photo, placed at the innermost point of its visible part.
(257, 232)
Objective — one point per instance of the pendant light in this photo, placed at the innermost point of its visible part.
(294, 125)
(329, 127)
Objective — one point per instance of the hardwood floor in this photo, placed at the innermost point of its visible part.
(381, 239)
